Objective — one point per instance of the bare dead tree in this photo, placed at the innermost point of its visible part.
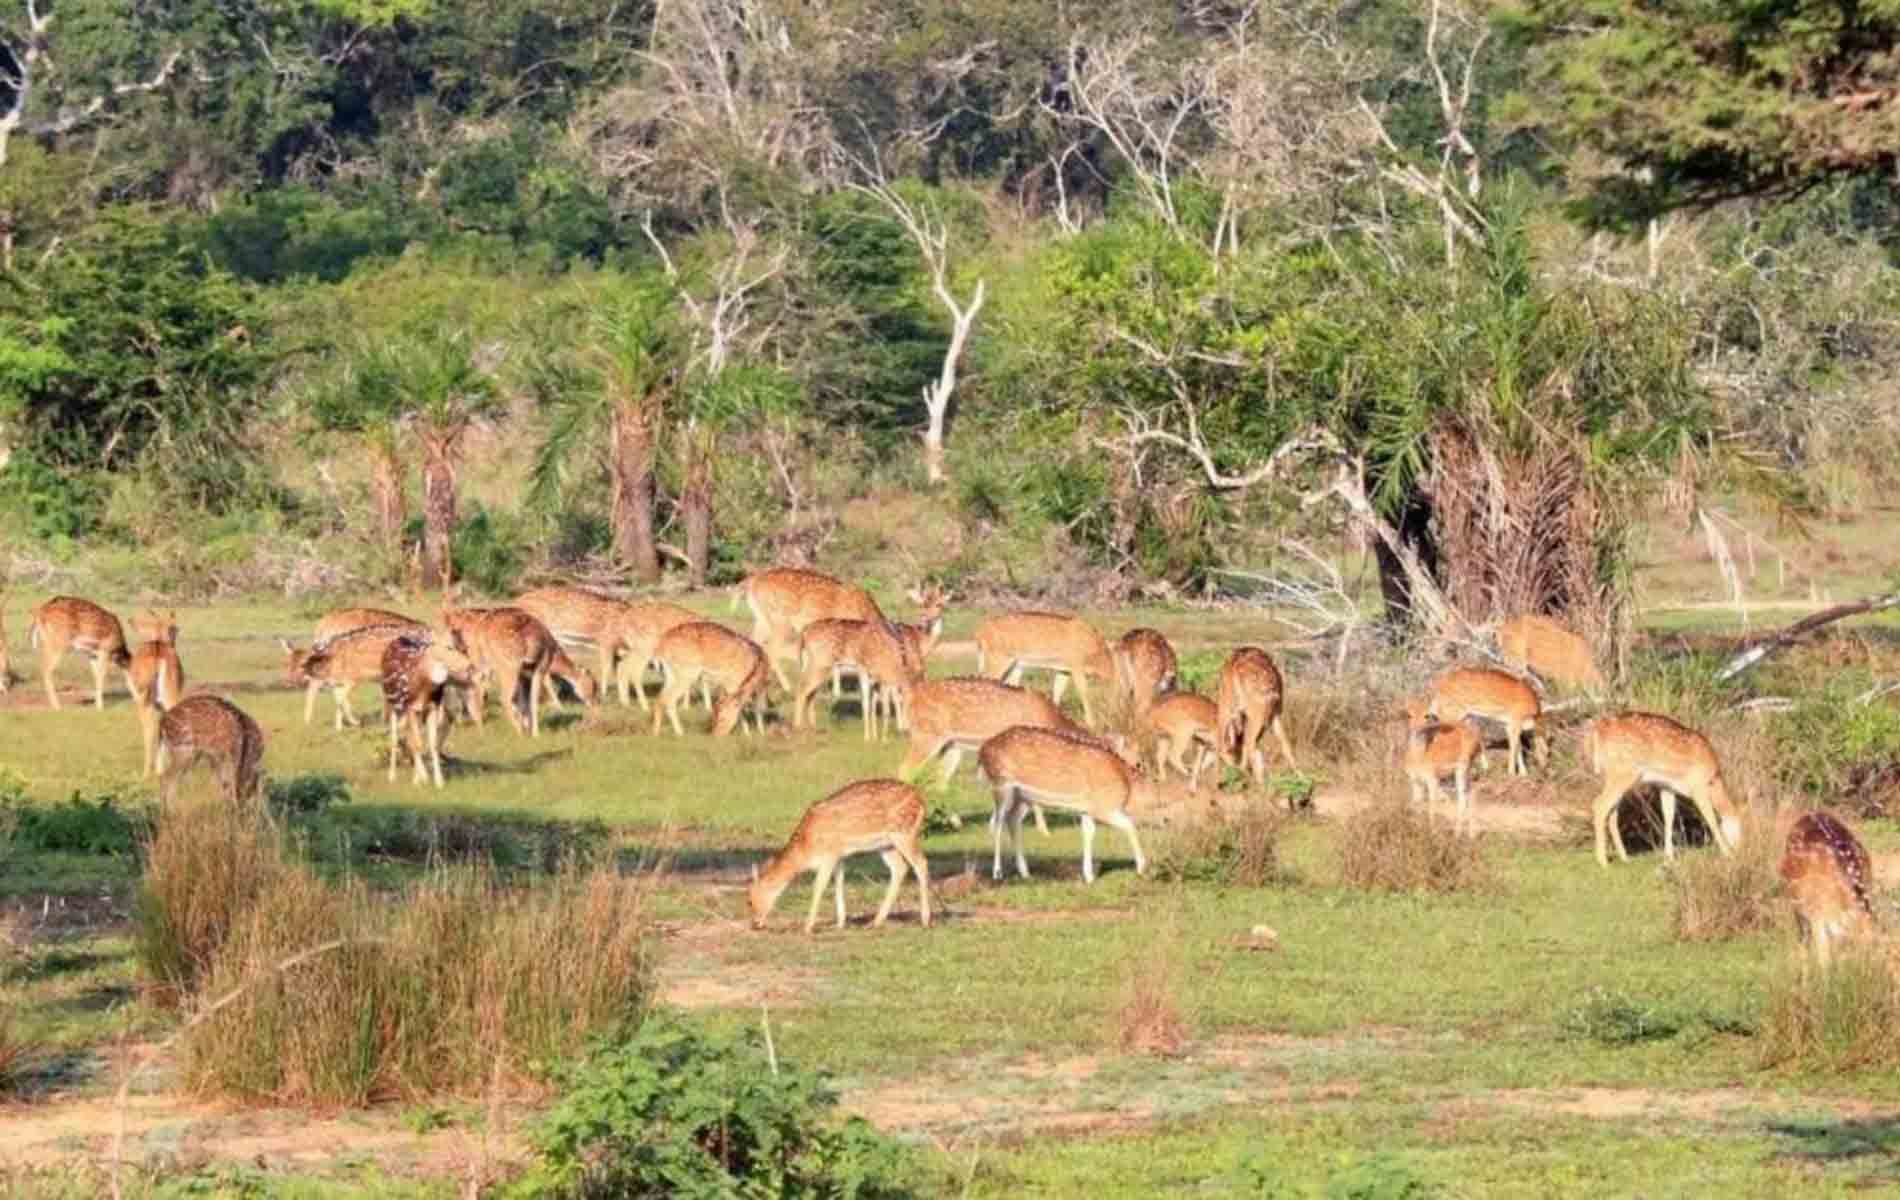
(27, 52)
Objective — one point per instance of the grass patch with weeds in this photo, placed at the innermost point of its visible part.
(1391, 847)
(1846, 1018)
(1716, 896)
(1238, 849)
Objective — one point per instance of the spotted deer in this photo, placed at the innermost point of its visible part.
(1182, 721)
(949, 716)
(643, 625)
(217, 731)
(1498, 696)
(920, 638)
(1145, 667)
(1068, 646)
(1065, 769)
(1828, 877)
(155, 678)
(880, 816)
(784, 600)
(1435, 749)
(703, 650)
(68, 623)
(417, 672)
(339, 663)
(579, 617)
(1645, 748)
(343, 620)
(878, 653)
(1248, 699)
(516, 652)
(1542, 645)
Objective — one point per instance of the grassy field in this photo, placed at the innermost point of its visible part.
(1544, 1034)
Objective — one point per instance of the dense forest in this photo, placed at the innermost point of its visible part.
(311, 294)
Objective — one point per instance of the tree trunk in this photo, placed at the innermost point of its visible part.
(392, 507)
(933, 448)
(696, 507)
(632, 466)
(1395, 586)
(439, 449)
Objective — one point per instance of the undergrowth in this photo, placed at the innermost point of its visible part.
(1391, 847)
(1844, 1019)
(1240, 849)
(1716, 896)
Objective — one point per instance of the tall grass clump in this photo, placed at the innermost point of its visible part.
(1148, 1017)
(1844, 1019)
(1239, 849)
(1391, 847)
(206, 865)
(1718, 896)
(17, 1050)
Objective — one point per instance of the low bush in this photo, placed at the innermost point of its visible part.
(670, 1111)
(1392, 847)
(1717, 896)
(1240, 849)
(104, 824)
(1149, 1017)
(1843, 1019)
(306, 795)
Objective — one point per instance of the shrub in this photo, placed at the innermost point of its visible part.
(206, 865)
(1239, 849)
(306, 795)
(1843, 1019)
(1393, 848)
(76, 825)
(673, 1112)
(17, 1050)
(1718, 896)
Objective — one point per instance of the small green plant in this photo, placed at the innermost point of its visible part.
(307, 795)
(1296, 787)
(1378, 1177)
(1391, 847)
(1614, 1019)
(670, 1111)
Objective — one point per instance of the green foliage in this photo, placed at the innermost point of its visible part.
(488, 550)
(671, 1111)
(103, 824)
(296, 233)
(49, 502)
(1830, 741)
(1231, 851)
(511, 185)
(306, 795)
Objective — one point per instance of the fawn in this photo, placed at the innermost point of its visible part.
(1180, 721)
(1434, 749)
(1504, 698)
(871, 815)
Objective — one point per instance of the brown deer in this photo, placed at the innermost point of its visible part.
(879, 816)
(68, 623)
(514, 650)
(949, 716)
(343, 620)
(1179, 721)
(880, 655)
(1008, 644)
(339, 663)
(1501, 697)
(704, 650)
(417, 671)
(920, 638)
(784, 600)
(1542, 645)
(1249, 699)
(1145, 666)
(642, 627)
(213, 729)
(1637, 748)
(155, 678)
(1075, 771)
(1827, 873)
(1434, 749)
(579, 617)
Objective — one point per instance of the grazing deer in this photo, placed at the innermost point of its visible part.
(1828, 876)
(155, 678)
(1068, 646)
(67, 623)
(702, 650)
(920, 638)
(949, 716)
(1542, 645)
(339, 663)
(784, 600)
(417, 670)
(1502, 697)
(578, 617)
(880, 655)
(344, 620)
(1638, 748)
(1146, 667)
(211, 728)
(518, 653)
(1061, 769)
(1433, 750)
(871, 815)
(1249, 699)
(642, 627)
(1179, 721)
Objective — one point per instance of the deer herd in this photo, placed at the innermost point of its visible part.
(1033, 754)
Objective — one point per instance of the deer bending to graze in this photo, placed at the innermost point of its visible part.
(417, 672)
(68, 623)
(340, 663)
(1146, 667)
(784, 600)
(1249, 699)
(1555, 653)
(1638, 748)
(339, 621)
(579, 617)
(880, 816)
(949, 716)
(518, 653)
(1011, 643)
(1501, 697)
(1062, 769)
(1435, 749)
(641, 630)
(880, 655)
(702, 650)
(920, 638)
(1182, 721)
(155, 678)
(1827, 874)
(213, 729)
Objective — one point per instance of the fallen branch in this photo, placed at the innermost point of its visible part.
(1800, 629)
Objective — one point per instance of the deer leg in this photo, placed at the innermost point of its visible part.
(1702, 805)
(1604, 811)
(1004, 795)
(1126, 823)
(100, 665)
(1082, 690)
(148, 729)
(49, 659)
(913, 854)
(394, 725)
(1088, 848)
(344, 714)
(310, 700)
(821, 875)
(837, 889)
(1286, 747)
(435, 742)
(1461, 776)
(952, 755)
(1016, 832)
(1058, 684)
(1669, 824)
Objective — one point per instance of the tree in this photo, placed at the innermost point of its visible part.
(716, 403)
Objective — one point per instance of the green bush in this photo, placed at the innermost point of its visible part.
(307, 795)
(1831, 745)
(672, 1112)
(1239, 850)
(103, 824)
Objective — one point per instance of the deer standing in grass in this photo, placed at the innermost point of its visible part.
(1644, 748)
(1146, 667)
(919, 639)
(520, 655)
(579, 617)
(1008, 644)
(1546, 647)
(949, 716)
(784, 600)
(219, 732)
(880, 816)
(1501, 697)
(417, 672)
(1181, 721)
(1248, 700)
(340, 621)
(155, 678)
(339, 663)
(68, 623)
(1066, 770)
(880, 655)
(1827, 874)
(641, 630)
(702, 650)
(1435, 749)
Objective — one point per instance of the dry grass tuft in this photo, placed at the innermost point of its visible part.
(1843, 1019)
(206, 865)
(1149, 1018)
(1238, 848)
(1718, 896)
(1392, 847)
(17, 1050)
